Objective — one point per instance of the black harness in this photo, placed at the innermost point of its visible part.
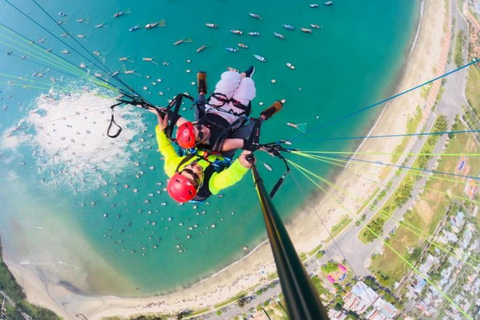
(204, 191)
(224, 100)
(220, 126)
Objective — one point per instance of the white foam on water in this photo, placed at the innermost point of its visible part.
(67, 135)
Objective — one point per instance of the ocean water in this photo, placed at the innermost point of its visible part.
(77, 205)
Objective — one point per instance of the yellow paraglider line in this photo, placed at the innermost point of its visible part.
(54, 60)
(327, 159)
(393, 153)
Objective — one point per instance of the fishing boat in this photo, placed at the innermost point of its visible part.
(315, 26)
(211, 25)
(186, 40)
(260, 58)
(254, 34)
(288, 27)
(313, 5)
(302, 127)
(306, 30)
(236, 31)
(241, 45)
(201, 48)
(151, 25)
(231, 49)
(328, 3)
(254, 15)
(160, 23)
(279, 35)
(291, 66)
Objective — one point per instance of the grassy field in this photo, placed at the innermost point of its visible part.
(427, 213)
(344, 222)
(472, 90)
(412, 124)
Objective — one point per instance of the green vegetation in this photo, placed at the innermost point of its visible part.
(330, 266)
(426, 90)
(272, 275)
(224, 303)
(472, 90)
(303, 256)
(318, 286)
(319, 254)
(142, 317)
(412, 124)
(344, 222)
(403, 192)
(427, 214)
(197, 312)
(368, 201)
(8, 283)
(459, 42)
(311, 253)
(11, 288)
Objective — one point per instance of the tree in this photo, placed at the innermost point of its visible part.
(330, 266)
(242, 300)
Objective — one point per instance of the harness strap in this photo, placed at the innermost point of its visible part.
(175, 104)
(187, 158)
(224, 99)
(112, 122)
(252, 142)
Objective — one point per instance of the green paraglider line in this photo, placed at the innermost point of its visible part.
(392, 217)
(412, 267)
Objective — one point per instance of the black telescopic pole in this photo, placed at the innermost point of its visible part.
(303, 302)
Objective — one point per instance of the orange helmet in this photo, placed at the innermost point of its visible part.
(186, 136)
(180, 188)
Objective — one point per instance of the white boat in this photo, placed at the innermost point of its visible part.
(211, 25)
(254, 15)
(241, 45)
(306, 30)
(291, 66)
(236, 31)
(260, 58)
(279, 35)
(255, 34)
(328, 3)
(313, 5)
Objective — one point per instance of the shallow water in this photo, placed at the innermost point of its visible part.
(110, 192)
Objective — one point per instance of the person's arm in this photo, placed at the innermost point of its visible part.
(232, 144)
(181, 120)
(172, 159)
(230, 176)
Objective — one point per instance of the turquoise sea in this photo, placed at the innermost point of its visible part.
(354, 60)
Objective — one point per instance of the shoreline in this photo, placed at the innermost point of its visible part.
(303, 228)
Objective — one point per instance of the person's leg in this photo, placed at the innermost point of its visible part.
(246, 91)
(229, 82)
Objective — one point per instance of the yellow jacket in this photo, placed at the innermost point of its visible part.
(218, 181)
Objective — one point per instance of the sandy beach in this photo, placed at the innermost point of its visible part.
(307, 231)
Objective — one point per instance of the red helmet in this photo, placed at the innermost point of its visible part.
(186, 136)
(180, 188)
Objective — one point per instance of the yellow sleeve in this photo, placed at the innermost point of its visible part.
(172, 159)
(227, 177)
